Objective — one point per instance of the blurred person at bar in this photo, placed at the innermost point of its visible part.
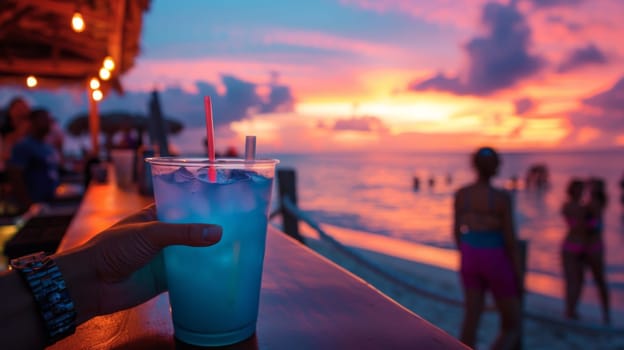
(119, 268)
(14, 127)
(33, 168)
(56, 137)
(128, 139)
(490, 259)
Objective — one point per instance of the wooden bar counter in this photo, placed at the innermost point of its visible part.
(306, 302)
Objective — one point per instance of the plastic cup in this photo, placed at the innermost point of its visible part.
(123, 164)
(214, 291)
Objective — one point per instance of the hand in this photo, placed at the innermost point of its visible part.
(122, 266)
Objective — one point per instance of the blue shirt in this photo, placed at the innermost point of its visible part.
(40, 167)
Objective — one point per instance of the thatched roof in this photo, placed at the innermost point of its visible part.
(113, 122)
(36, 38)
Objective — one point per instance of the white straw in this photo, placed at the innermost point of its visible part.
(250, 147)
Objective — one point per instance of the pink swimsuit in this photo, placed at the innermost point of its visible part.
(582, 249)
(488, 268)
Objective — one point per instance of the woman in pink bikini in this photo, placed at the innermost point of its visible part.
(490, 260)
(583, 245)
(574, 246)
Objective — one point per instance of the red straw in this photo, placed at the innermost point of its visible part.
(212, 174)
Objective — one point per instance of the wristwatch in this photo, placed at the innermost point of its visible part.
(50, 292)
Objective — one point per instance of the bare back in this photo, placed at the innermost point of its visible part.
(575, 216)
(480, 208)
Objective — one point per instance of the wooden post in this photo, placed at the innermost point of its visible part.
(288, 189)
(94, 124)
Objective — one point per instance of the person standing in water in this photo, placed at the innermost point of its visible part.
(595, 257)
(490, 259)
(574, 246)
(583, 246)
(622, 190)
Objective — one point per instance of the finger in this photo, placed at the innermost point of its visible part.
(162, 234)
(146, 214)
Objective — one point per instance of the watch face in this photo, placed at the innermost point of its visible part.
(27, 260)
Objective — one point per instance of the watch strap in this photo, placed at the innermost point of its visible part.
(50, 293)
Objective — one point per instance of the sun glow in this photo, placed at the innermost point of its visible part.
(388, 110)
(426, 112)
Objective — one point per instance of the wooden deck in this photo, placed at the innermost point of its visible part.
(306, 302)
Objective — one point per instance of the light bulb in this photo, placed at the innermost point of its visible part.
(109, 63)
(97, 95)
(105, 74)
(94, 83)
(78, 24)
(31, 81)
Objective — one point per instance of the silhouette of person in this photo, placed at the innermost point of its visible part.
(231, 152)
(583, 246)
(622, 190)
(595, 253)
(33, 168)
(574, 246)
(416, 183)
(128, 140)
(490, 259)
(15, 126)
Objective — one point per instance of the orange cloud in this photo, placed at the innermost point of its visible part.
(587, 134)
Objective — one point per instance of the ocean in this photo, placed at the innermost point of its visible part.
(374, 193)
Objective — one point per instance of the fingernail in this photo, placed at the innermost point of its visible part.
(211, 234)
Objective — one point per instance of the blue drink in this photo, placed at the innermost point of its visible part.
(214, 291)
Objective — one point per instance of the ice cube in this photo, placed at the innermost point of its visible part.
(166, 177)
(224, 176)
(202, 174)
(257, 178)
(239, 174)
(183, 175)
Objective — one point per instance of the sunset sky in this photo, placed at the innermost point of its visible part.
(342, 75)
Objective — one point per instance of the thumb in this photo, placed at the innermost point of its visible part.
(163, 234)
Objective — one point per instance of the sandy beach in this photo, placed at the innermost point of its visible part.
(544, 328)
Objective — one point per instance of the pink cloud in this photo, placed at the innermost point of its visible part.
(560, 29)
(320, 40)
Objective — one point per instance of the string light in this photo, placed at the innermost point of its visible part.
(109, 63)
(78, 24)
(105, 74)
(97, 95)
(94, 84)
(31, 81)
